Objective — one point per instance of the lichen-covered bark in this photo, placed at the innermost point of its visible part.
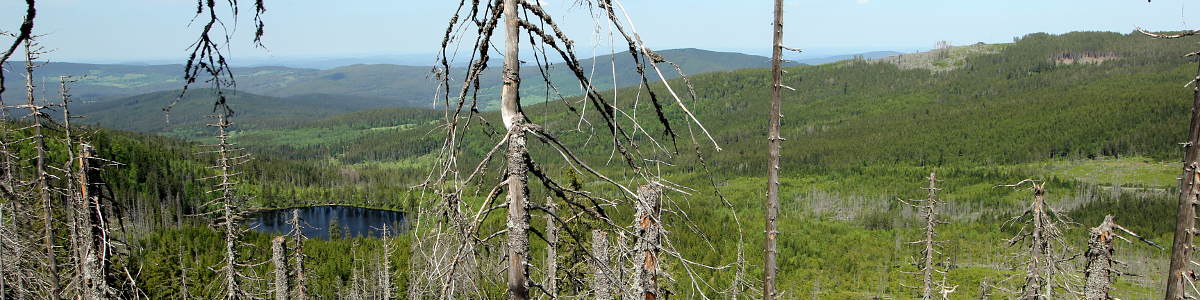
(279, 262)
(1099, 270)
(601, 282)
(649, 214)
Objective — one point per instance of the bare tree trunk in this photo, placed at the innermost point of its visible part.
(1098, 272)
(279, 261)
(600, 279)
(76, 199)
(985, 290)
(233, 290)
(930, 213)
(43, 185)
(926, 266)
(514, 120)
(1185, 221)
(551, 250)
(92, 237)
(301, 289)
(385, 265)
(649, 231)
(1041, 262)
(226, 161)
(183, 278)
(774, 140)
(4, 264)
(1034, 283)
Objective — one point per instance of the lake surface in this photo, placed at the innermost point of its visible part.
(351, 221)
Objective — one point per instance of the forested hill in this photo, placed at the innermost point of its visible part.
(187, 118)
(861, 133)
(1044, 96)
(412, 86)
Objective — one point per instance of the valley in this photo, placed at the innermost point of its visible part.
(864, 133)
(537, 166)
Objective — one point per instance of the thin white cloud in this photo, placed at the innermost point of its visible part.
(862, 1)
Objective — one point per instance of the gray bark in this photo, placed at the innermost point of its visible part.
(601, 282)
(226, 161)
(301, 289)
(1099, 270)
(1037, 283)
(43, 185)
(385, 265)
(279, 261)
(551, 250)
(649, 238)
(1189, 190)
(929, 212)
(770, 267)
(518, 215)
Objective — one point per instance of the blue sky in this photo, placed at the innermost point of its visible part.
(132, 30)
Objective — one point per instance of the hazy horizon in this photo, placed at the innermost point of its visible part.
(95, 32)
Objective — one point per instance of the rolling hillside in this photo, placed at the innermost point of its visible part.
(411, 86)
(1013, 105)
(144, 113)
(860, 134)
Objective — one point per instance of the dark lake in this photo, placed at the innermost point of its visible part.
(351, 221)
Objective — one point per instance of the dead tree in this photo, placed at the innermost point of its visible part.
(601, 281)
(1101, 269)
(206, 59)
(88, 260)
(1044, 253)
(226, 206)
(985, 290)
(279, 262)
(385, 264)
(649, 230)
(551, 249)
(1180, 275)
(24, 33)
(458, 227)
(298, 257)
(927, 265)
(774, 141)
(42, 187)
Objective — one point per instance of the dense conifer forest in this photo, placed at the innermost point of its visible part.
(1026, 158)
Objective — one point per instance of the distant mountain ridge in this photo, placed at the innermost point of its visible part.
(405, 85)
(144, 113)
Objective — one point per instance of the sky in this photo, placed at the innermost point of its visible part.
(158, 30)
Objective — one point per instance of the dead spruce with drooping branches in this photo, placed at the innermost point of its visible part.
(66, 188)
(1181, 275)
(91, 244)
(454, 248)
(927, 265)
(39, 120)
(206, 62)
(1101, 269)
(1044, 254)
(225, 208)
